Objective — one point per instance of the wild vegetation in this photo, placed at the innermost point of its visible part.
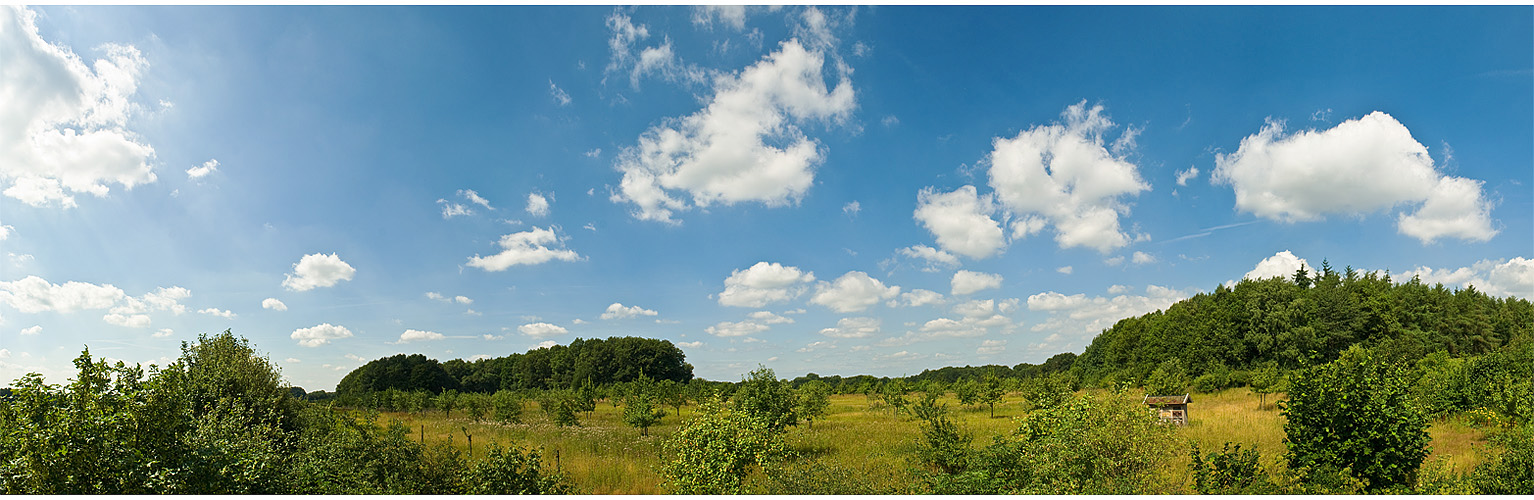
(1398, 389)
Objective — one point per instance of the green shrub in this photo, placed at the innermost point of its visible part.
(713, 453)
(506, 406)
(771, 400)
(1230, 471)
(1511, 470)
(512, 471)
(1087, 445)
(1354, 413)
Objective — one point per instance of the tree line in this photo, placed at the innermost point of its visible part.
(585, 362)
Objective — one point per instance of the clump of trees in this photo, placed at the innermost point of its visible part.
(219, 420)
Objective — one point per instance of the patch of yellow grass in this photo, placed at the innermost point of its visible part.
(605, 456)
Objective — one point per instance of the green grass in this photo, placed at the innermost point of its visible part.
(604, 456)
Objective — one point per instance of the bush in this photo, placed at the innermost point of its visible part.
(714, 452)
(1229, 471)
(561, 407)
(944, 446)
(771, 400)
(512, 471)
(814, 398)
(1511, 471)
(1087, 445)
(1354, 413)
(506, 406)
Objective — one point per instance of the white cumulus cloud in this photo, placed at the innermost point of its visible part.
(918, 297)
(1282, 265)
(745, 145)
(967, 282)
(1183, 176)
(1361, 166)
(32, 330)
(764, 283)
(417, 335)
(33, 295)
(853, 292)
(317, 271)
(1063, 174)
(63, 129)
(213, 311)
(936, 259)
(960, 221)
(273, 304)
(320, 334)
(527, 248)
(617, 310)
(1512, 277)
(202, 170)
(537, 204)
(541, 330)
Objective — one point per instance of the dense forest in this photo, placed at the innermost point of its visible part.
(1302, 321)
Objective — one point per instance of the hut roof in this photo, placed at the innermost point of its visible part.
(1168, 400)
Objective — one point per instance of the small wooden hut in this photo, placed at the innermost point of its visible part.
(1172, 409)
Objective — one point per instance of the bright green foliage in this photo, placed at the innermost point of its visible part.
(1047, 391)
(219, 420)
(991, 392)
(640, 406)
(1355, 413)
(894, 395)
(447, 401)
(1230, 471)
(1510, 472)
(765, 397)
(1087, 445)
(713, 453)
(1169, 379)
(401, 372)
(561, 407)
(968, 391)
(1277, 320)
(512, 471)
(506, 406)
(814, 397)
(944, 446)
(475, 404)
(1268, 380)
(672, 394)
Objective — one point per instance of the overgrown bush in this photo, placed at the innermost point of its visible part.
(1511, 470)
(1087, 445)
(1230, 471)
(767, 398)
(713, 453)
(561, 406)
(513, 471)
(1355, 413)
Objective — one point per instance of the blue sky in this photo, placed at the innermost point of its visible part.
(840, 191)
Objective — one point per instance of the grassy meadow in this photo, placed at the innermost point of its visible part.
(861, 441)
